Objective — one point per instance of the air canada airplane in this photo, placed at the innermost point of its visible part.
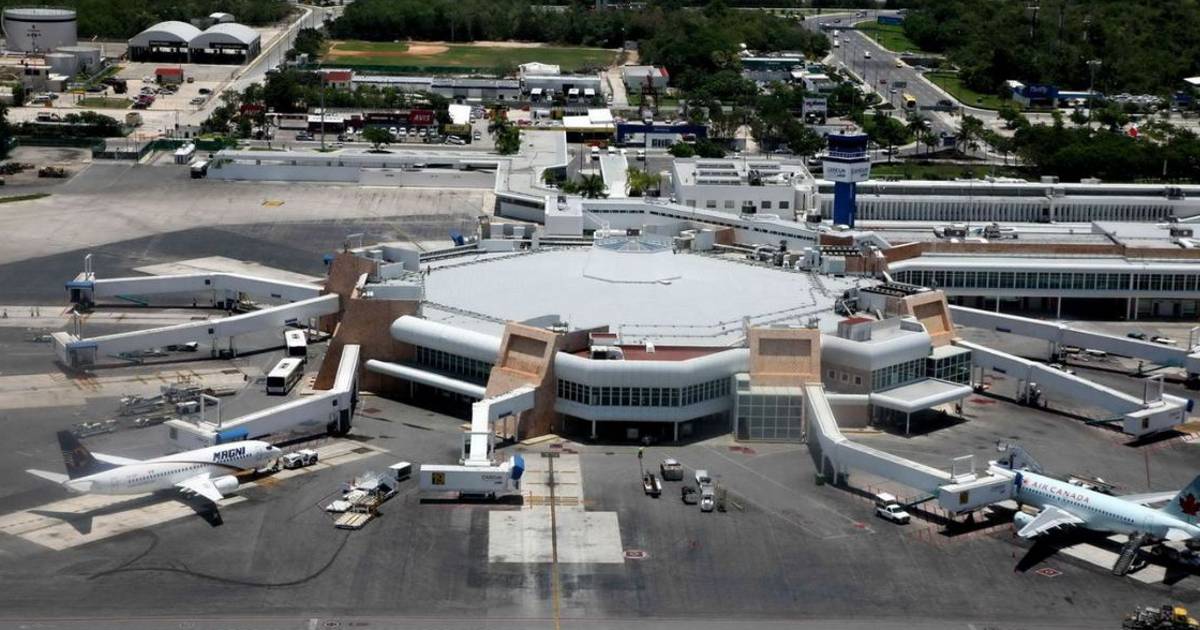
(1064, 504)
(207, 472)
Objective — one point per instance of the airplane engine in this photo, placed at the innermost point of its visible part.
(226, 484)
(1021, 519)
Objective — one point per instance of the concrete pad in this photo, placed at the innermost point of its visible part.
(222, 264)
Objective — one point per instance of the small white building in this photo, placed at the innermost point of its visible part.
(638, 78)
(744, 186)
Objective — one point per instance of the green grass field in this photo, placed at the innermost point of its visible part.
(889, 36)
(104, 102)
(964, 94)
(419, 54)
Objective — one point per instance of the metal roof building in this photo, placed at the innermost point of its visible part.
(226, 42)
(165, 41)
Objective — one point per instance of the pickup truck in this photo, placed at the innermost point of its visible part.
(702, 478)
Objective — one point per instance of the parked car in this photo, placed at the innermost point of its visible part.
(1166, 341)
(205, 91)
(689, 495)
(1140, 336)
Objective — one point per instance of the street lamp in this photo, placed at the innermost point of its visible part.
(1093, 64)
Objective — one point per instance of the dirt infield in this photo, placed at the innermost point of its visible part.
(422, 49)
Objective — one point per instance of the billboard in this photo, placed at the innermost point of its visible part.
(890, 20)
(815, 105)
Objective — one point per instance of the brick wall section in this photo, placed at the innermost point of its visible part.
(930, 309)
(344, 272)
(787, 357)
(368, 323)
(527, 358)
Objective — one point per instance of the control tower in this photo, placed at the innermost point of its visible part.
(846, 164)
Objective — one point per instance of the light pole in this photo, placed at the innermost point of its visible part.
(1093, 64)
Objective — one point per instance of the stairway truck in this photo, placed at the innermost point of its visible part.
(474, 481)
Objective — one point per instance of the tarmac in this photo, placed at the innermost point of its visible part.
(787, 553)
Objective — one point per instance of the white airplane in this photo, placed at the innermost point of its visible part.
(1064, 504)
(207, 472)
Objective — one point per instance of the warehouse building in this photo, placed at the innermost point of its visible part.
(165, 41)
(225, 42)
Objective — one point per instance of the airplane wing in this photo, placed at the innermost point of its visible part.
(201, 485)
(1048, 519)
(58, 478)
(1149, 498)
(114, 459)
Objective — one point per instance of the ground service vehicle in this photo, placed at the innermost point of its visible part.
(299, 459)
(702, 478)
(1167, 617)
(689, 495)
(651, 485)
(708, 499)
(297, 344)
(671, 470)
(199, 169)
(889, 509)
(284, 376)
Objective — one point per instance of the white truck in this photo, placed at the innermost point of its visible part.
(474, 481)
(889, 509)
(299, 459)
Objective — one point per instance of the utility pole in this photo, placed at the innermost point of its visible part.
(1093, 64)
(322, 112)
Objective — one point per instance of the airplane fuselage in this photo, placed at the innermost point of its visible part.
(163, 473)
(1100, 512)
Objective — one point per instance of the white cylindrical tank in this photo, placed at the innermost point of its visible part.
(86, 57)
(36, 29)
(62, 63)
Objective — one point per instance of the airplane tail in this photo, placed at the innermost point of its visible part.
(1186, 504)
(78, 459)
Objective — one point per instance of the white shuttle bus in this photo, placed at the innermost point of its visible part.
(297, 344)
(284, 376)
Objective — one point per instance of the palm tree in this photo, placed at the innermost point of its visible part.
(917, 126)
(591, 187)
(970, 130)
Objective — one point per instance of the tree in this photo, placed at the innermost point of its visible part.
(6, 135)
(508, 140)
(970, 131)
(642, 182)
(803, 141)
(1078, 118)
(706, 148)
(1012, 116)
(378, 137)
(591, 187)
(682, 150)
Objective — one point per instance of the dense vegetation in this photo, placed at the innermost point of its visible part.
(690, 43)
(122, 19)
(1146, 46)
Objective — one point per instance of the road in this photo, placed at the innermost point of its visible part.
(880, 72)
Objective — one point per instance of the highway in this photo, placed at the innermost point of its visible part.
(880, 71)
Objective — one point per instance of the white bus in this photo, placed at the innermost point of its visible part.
(297, 344)
(284, 376)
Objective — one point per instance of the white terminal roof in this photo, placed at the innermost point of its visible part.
(645, 293)
(173, 31)
(226, 33)
(736, 172)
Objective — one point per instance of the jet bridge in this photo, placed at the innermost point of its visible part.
(329, 411)
(225, 287)
(1061, 334)
(836, 455)
(75, 352)
(1139, 417)
(477, 472)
